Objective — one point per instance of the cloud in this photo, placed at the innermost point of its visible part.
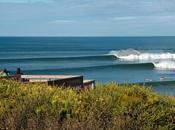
(25, 1)
(125, 18)
(87, 16)
(146, 19)
(62, 21)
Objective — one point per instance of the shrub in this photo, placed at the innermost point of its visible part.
(108, 106)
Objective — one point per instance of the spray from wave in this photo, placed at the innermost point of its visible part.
(161, 61)
(134, 55)
(165, 65)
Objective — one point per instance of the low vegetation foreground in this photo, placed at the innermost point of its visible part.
(108, 106)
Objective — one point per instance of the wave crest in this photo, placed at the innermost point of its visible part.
(134, 55)
(165, 65)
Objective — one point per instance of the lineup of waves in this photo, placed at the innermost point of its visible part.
(104, 59)
(163, 61)
(160, 66)
(134, 58)
(119, 66)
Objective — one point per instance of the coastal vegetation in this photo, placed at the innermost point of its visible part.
(108, 106)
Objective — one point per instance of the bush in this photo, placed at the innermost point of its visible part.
(108, 106)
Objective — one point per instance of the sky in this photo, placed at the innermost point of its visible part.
(87, 17)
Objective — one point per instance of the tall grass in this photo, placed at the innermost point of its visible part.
(108, 106)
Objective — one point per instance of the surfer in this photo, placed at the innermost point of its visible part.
(148, 79)
(162, 78)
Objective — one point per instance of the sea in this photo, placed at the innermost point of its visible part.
(104, 59)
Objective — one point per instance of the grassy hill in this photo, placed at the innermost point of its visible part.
(108, 106)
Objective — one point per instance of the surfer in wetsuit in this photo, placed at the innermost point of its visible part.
(162, 78)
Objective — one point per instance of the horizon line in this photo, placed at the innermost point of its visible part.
(91, 36)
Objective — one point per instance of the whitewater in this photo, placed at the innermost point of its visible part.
(162, 61)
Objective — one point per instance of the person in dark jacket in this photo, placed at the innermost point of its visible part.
(18, 72)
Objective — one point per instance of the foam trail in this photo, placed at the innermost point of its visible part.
(134, 55)
(165, 65)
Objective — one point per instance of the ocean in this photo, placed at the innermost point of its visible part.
(104, 59)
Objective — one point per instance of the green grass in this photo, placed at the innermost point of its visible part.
(108, 106)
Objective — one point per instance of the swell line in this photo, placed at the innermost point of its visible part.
(112, 66)
(71, 58)
(157, 83)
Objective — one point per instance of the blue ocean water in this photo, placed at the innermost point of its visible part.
(104, 59)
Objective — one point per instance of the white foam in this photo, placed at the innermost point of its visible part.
(165, 65)
(134, 55)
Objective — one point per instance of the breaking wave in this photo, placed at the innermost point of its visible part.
(134, 55)
(161, 61)
(165, 65)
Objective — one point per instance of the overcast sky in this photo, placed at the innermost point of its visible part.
(87, 17)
